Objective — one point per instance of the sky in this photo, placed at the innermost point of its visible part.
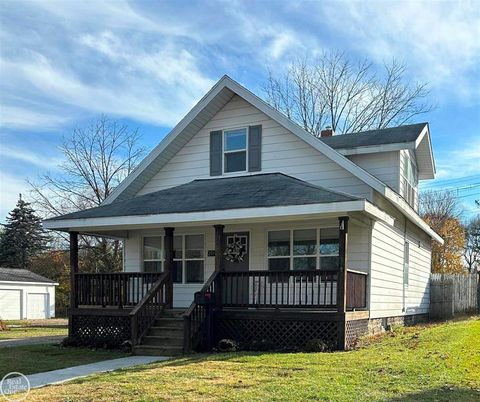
(146, 63)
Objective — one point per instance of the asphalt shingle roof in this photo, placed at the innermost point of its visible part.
(255, 191)
(21, 275)
(394, 135)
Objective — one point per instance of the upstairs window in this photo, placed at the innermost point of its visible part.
(410, 181)
(235, 150)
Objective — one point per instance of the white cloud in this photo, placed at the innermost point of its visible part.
(459, 161)
(23, 155)
(151, 87)
(439, 40)
(16, 117)
(10, 188)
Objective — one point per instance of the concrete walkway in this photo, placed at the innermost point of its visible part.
(72, 373)
(34, 340)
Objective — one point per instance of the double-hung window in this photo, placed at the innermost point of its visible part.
(410, 180)
(188, 259)
(235, 145)
(152, 254)
(303, 249)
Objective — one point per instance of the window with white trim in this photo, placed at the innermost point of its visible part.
(235, 145)
(406, 262)
(303, 249)
(152, 254)
(188, 259)
(410, 180)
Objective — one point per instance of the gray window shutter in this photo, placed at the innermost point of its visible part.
(215, 153)
(254, 148)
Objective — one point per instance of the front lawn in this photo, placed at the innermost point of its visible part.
(429, 363)
(29, 332)
(38, 358)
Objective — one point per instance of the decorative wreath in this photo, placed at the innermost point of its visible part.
(235, 252)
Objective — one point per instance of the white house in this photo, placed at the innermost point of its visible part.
(25, 295)
(296, 237)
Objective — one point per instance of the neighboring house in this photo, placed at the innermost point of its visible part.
(296, 237)
(25, 295)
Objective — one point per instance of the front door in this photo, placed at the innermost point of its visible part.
(236, 259)
(232, 262)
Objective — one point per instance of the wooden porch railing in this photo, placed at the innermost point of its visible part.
(196, 316)
(118, 289)
(356, 289)
(275, 289)
(147, 310)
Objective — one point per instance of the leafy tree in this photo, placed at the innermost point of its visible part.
(333, 90)
(471, 252)
(441, 211)
(447, 258)
(55, 265)
(23, 236)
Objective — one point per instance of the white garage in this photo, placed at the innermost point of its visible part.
(25, 295)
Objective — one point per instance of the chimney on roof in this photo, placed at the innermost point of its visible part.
(327, 132)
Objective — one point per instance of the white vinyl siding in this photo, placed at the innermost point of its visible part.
(358, 248)
(388, 297)
(385, 166)
(282, 151)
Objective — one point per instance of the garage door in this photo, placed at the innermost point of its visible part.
(37, 305)
(10, 304)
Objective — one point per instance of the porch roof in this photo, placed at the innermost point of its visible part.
(253, 191)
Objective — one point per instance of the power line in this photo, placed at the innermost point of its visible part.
(449, 182)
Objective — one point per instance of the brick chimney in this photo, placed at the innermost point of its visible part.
(327, 132)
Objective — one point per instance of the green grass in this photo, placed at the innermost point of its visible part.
(28, 332)
(429, 363)
(38, 358)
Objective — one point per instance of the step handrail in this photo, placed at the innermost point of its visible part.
(196, 315)
(146, 311)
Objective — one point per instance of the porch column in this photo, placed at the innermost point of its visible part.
(219, 249)
(73, 271)
(342, 278)
(168, 265)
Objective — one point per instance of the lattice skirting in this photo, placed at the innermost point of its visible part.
(354, 330)
(281, 334)
(93, 329)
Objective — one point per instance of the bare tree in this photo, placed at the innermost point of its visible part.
(350, 97)
(471, 252)
(439, 204)
(97, 159)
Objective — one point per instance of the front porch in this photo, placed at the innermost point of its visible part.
(284, 308)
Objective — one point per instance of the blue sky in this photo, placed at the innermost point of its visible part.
(64, 63)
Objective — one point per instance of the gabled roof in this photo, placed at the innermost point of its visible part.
(393, 135)
(21, 275)
(220, 94)
(255, 191)
(413, 136)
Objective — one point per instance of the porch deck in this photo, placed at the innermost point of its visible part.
(287, 308)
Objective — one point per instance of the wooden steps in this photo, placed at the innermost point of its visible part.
(165, 336)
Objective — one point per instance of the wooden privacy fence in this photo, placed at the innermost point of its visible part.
(452, 293)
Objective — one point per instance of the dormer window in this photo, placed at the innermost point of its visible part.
(235, 145)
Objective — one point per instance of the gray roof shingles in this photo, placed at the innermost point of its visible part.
(255, 191)
(394, 135)
(21, 275)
